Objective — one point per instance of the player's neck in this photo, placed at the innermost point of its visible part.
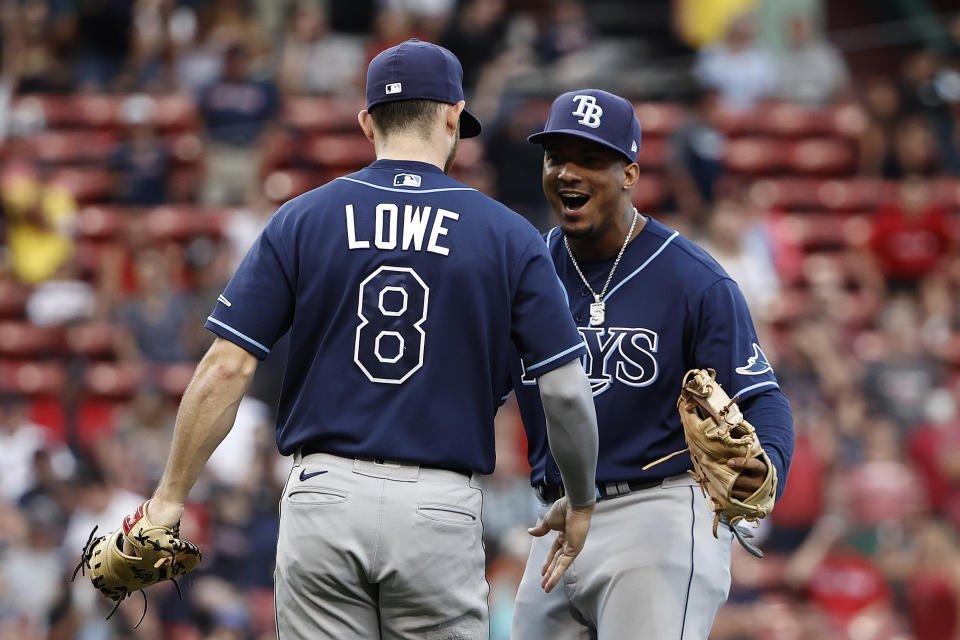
(606, 244)
(411, 148)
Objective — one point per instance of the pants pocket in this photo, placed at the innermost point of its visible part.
(447, 513)
(317, 496)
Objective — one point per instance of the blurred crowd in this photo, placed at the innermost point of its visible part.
(145, 144)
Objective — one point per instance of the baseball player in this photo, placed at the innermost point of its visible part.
(649, 305)
(404, 293)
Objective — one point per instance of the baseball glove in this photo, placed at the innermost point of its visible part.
(715, 431)
(158, 554)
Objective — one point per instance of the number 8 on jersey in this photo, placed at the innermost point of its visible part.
(389, 342)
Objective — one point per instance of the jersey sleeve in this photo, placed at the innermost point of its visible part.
(543, 328)
(256, 308)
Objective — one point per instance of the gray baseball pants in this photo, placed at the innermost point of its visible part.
(650, 569)
(379, 550)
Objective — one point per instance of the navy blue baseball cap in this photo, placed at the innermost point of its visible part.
(595, 115)
(415, 70)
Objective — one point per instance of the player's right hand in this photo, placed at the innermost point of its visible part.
(573, 524)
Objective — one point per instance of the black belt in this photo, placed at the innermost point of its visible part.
(308, 449)
(550, 493)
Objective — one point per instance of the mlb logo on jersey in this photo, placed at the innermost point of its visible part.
(406, 180)
(588, 110)
(394, 87)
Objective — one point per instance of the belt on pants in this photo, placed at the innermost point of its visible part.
(308, 448)
(550, 493)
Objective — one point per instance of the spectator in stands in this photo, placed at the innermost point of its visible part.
(811, 71)
(146, 429)
(104, 36)
(237, 109)
(155, 319)
(740, 249)
(315, 60)
(881, 100)
(65, 298)
(20, 441)
(741, 71)
(476, 35)
(40, 216)
(912, 237)
(565, 32)
(897, 383)
(696, 156)
(142, 164)
(40, 39)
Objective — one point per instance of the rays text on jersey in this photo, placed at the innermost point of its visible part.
(407, 232)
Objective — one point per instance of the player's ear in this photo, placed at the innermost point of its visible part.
(453, 112)
(366, 124)
(631, 173)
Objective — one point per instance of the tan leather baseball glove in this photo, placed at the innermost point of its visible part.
(155, 553)
(716, 431)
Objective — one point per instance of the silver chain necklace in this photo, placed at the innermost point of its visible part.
(598, 306)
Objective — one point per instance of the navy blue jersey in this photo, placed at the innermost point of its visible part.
(670, 308)
(405, 293)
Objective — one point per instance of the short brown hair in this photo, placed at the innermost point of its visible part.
(418, 115)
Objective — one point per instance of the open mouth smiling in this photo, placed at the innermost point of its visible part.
(573, 200)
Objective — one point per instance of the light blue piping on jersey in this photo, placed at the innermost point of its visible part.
(377, 186)
(237, 333)
(641, 267)
(768, 383)
(559, 355)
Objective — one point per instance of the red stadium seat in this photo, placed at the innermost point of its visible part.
(13, 298)
(174, 378)
(946, 193)
(185, 183)
(282, 185)
(854, 194)
(469, 153)
(71, 147)
(87, 184)
(182, 222)
(97, 222)
(186, 148)
(659, 118)
(101, 111)
(654, 154)
(19, 339)
(824, 231)
(42, 378)
(113, 380)
(791, 121)
(755, 155)
(92, 340)
(339, 151)
(821, 156)
(788, 194)
(277, 150)
(316, 115)
(176, 112)
(847, 120)
(648, 193)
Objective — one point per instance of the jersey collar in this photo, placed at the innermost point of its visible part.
(407, 165)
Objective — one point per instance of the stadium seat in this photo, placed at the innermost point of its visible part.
(654, 154)
(113, 379)
(791, 121)
(853, 194)
(336, 151)
(182, 222)
(277, 150)
(20, 339)
(284, 184)
(755, 155)
(789, 194)
(469, 153)
(185, 183)
(13, 298)
(37, 378)
(92, 340)
(946, 193)
(649, 192)
(821, 156)
(820, 231)
(847, 120)
(176, 112)
(319, 115)
(73, 147)
(174, 378)
(186, 148)
(87, 184)
(659, 119)
(100, 222)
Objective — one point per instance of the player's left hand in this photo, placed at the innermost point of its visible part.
(573, 524)
(753, 471)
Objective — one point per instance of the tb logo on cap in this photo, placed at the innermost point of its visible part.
(588, 110)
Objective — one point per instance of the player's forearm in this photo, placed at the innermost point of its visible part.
(572, 429)
(770, 415)
(206, 415)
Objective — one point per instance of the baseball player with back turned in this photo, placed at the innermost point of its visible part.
(404, 293)
(650, 305)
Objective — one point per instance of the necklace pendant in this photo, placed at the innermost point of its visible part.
(597, 313)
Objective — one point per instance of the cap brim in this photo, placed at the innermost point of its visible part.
(469, 125)
(540, 138)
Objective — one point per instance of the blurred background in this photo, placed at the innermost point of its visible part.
(812, 147)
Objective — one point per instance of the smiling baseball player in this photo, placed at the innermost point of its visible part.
(650, 305)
